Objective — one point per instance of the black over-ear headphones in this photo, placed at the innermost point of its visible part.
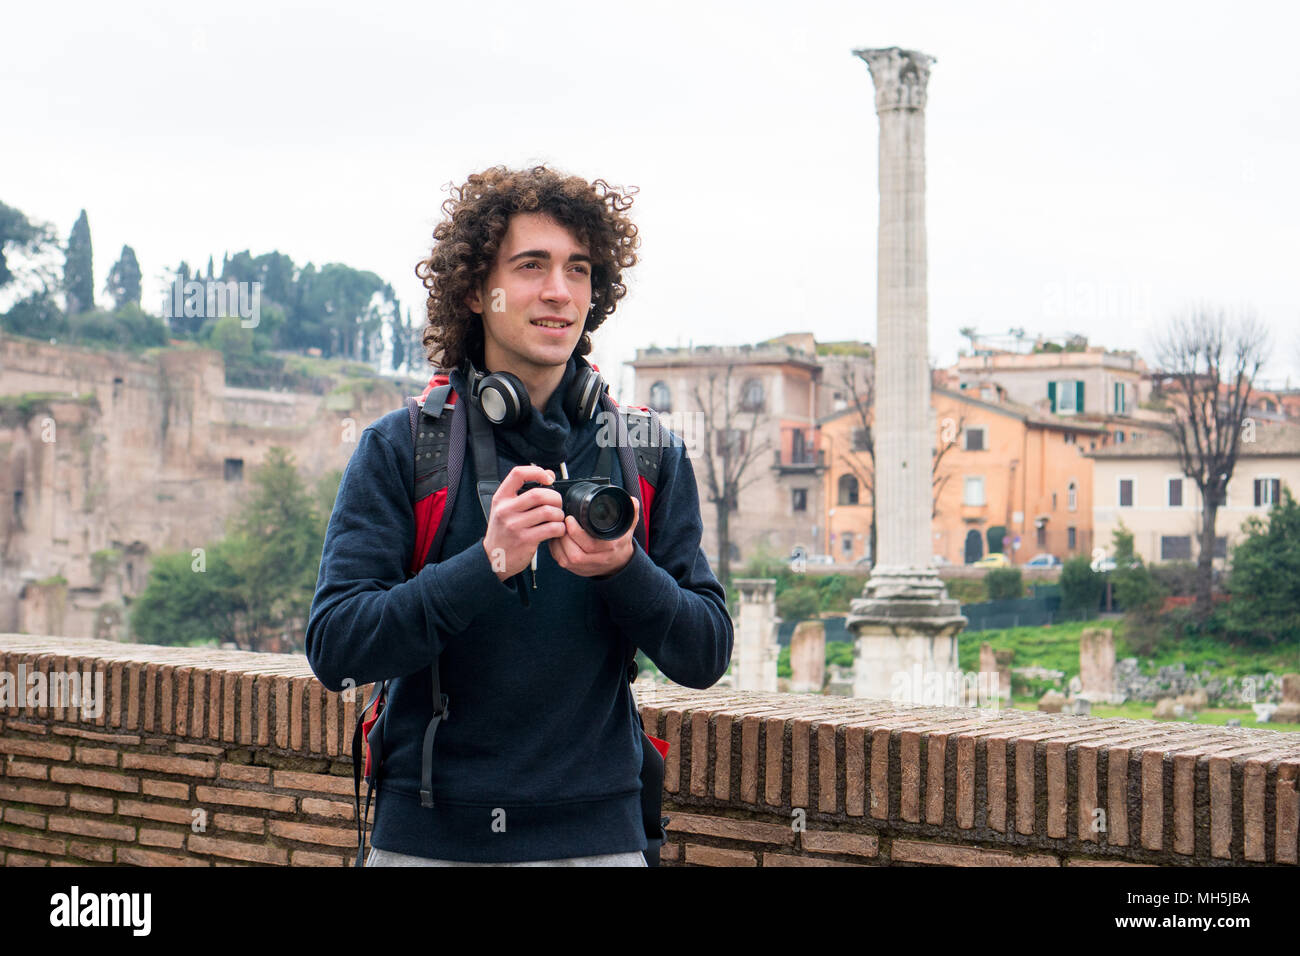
(503, 399)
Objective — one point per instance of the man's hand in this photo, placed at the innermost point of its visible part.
(590, 557)
(517, 523)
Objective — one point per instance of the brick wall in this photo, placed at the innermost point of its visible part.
(252, 746)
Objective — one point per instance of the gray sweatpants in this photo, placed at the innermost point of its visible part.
(380, 857)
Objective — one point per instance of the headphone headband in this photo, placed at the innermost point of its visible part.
(503, 397)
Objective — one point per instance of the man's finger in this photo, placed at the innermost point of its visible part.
(520, 474)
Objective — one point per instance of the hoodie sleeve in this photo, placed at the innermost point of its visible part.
(367, 621)
(668, 602)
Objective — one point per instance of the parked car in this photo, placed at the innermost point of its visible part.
(939, 561)
(1108, 564)
(995, 560)
(820, 559)
(1043, 561)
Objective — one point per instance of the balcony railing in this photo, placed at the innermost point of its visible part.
(809, 461)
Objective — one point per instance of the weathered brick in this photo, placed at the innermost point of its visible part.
(30, 841)
(240, 824)
(722, 757)
(1100, 861)
(282, 712)
(90, 802)
(117, 701)
(312, 782)
(673, 762)
(785, 859)
(800, 761)
(100, 779)
(944, 854)
(310, 833)
(97, 852)
(1220, 807)
(749, 731)
(137, 857)
(328, 808)
(246, 774)
(87, 827)
(315, 716)
(29, 771)
(965, 781)
(97, 756)
(232, 849)
(716, 856)
(245, 798)
(23, 859)
(1287, 804)
(23, 818)
(182, 766)
(858, 844)
(155, 811)
(265, 685)
(1153, 799)
(1253, 817)
(1184, 803)
(748, 830)
(307, 858)
(668, 853)
(245, 735)
(13, 793)
(205, 750)
(166, 788)
(165, 838)
(26, 727)
(297, 700)
(35, 748)
(1117, 759)
(827, 771)
(879, 799)
(152, 679)
(1025, 786)
(855, 768)
(133, 684)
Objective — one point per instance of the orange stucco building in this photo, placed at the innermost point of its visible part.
(1001, 465)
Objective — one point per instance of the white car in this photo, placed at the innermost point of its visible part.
(1043, 561)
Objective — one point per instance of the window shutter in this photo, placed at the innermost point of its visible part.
(1078, 397)
(1259, 492)
(1051, 394)
(1277, 490)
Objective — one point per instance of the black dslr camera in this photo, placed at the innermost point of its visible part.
(602, 510)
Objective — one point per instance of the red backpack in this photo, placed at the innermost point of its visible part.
(440, 446)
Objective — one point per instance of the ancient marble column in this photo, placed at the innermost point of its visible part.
(904, 617)
(808, 657)
(755, 651)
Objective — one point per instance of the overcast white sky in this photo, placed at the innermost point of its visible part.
(1091, 168)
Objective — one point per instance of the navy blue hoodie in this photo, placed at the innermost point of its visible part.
(540, 755)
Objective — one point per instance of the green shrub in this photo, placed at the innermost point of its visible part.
(798, 603)
(1178, 578)
(1004, 584)
(1081, 586)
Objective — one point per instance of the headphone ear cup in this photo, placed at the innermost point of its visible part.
(504, 399)
(583, 398)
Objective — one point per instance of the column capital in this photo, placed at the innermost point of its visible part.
(900, 77)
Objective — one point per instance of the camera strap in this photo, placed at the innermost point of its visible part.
(487, 475)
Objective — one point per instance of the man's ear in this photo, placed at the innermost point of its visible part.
(474, 301)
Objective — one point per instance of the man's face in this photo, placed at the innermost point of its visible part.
(541, 273)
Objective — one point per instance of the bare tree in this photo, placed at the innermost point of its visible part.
(729, 449)
(1208, 363)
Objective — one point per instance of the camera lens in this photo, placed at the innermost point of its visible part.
(603, 511)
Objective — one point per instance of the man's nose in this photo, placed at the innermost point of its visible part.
(555, 288)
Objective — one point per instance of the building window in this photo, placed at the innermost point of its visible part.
(1126, 492)
(1175, 547)
(848, 490)
(1065, 396)
(799, 499)
(1119, 438)
(1072, 497)
(973, 491)
(1053, 500)
(1220, 546)
(1267, 492)
(860, 440)
(234, 469)
(799, 448)
(1176, 493)
(1071, 538)
(1121, 403)
(1071, 438)
(751, 396)
(661, 399)
(1042, 535)
(847, 546)
(974, 439)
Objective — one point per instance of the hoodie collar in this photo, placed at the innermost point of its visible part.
(545, 436)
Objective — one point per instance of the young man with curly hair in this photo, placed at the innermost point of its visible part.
(539, 758)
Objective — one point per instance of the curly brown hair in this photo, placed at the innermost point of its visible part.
(467, 240)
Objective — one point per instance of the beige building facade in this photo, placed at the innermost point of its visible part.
(1141, 485)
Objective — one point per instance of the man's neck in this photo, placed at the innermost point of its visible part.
(540, 380)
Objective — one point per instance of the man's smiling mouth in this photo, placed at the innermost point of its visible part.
(552, 323)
